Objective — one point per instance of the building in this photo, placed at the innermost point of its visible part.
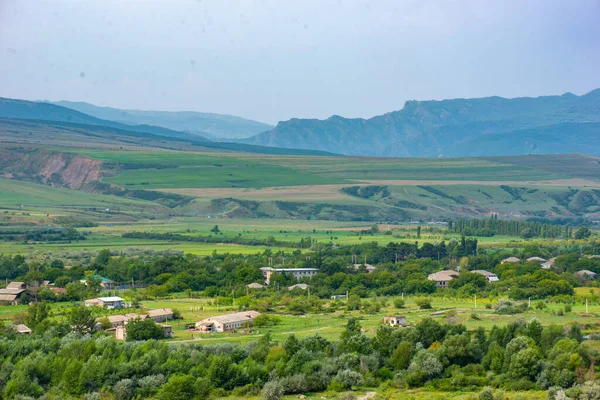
(12, 293)
(104, 282)
(161, 314)
(106, 302)
(255, 286)
(586, 273)
(368, 267)
(537, 260)
(121, 331)
(228, 322)
(297, 273)
(119, 320)
(442, 278)
(548, 264)
(490, 276)
(512, 260)
(395, 320)
(302, 286)
(20, 328)
(339, 297)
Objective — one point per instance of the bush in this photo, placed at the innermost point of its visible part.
(423, 303)
(568, 308)
(124, 389)
(348, 378)
(540, 305)
(486, 394)
(273, 390)
(399, 303)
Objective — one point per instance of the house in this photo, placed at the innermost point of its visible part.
(490, 276)
(20, 328)
(255, 286)
(368, 267)
(548, 264)
(161, 314)
(537, 259)
(442, 278)
(395, 320)
(512, 260)
(586, 273)
(58, 290)
(121, 331)
(16, 285)
(297, 273)
(106, 302)
(104, 282)
(119, 320)
(302, 286)
(12, 293)
(339, 297)
(228, 322)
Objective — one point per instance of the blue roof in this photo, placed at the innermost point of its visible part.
(104, 280)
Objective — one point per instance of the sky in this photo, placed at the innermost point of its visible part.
(272, 60)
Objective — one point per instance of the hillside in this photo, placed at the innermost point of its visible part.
(30, 110)
(454, 128)
(215, 126)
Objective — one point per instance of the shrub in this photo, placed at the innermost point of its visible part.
(568, 308)
(486, 394)
(423, 303)
(273, 390)
(124, 389)
(399, 303)
(475, 317)
(348, 378)
(540, 305)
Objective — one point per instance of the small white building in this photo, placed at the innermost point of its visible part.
(395, 320)
(110, 303)
(302, 286)
(490, 276)
(161, 314)
(586, 273)
(228, 322)
(255, 286)
(511, 260)
(537, 260)
(368, 267)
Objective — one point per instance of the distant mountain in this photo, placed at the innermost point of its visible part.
(31, 110)
(453, 128)
(215, 126)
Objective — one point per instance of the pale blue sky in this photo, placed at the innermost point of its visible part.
(272, 60)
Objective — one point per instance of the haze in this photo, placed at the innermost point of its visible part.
(272, 60)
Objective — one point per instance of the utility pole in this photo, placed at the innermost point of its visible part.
(475, 301)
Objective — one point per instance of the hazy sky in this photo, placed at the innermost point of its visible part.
(272, 60)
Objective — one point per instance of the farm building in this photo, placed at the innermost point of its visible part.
(121, 331)
(441, 278)
(368, 267)
(161, 314)
(395, 320)
(512, 260)
(106, 302)
(302, 286)
(228, 322)
(297, 273)
(119, 320)
(24, 329)
(490, 276)
(586, 273)
(12, 293)
(255, 286)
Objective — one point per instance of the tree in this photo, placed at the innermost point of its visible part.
(81, 319)
(143, 329)
(93, 283)
(583, 233)
(102, 258)
(401, 356)
(215, 229)
(419, 232)
(36, 314)
(179, 387)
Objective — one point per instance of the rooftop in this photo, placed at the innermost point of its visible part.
(161, 312)
(483, 272)
(444, 275)
(235, 317)
(287, 269)
(110, 299)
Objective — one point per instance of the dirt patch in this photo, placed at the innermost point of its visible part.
(80, 171)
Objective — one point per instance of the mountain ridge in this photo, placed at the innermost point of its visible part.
(212, 125)
(436, 128)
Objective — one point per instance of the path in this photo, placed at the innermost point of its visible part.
(368, 395)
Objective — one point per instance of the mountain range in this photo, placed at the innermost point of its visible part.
(213, 126)
(491, 126)
(453, 128)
